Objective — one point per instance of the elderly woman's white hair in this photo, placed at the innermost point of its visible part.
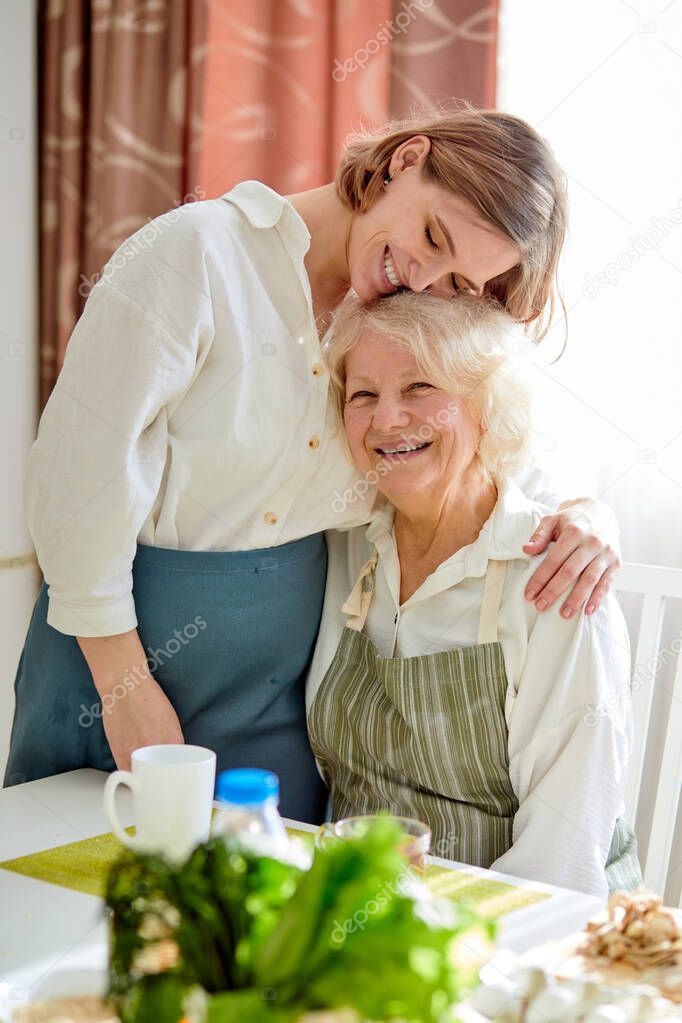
(468, 346)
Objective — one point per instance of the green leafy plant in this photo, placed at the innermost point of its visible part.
(234, 936)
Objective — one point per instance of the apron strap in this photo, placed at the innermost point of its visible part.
(360, 597)
(490, 605)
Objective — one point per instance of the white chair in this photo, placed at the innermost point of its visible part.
(656, 585)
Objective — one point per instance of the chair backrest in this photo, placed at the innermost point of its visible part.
(656, 585)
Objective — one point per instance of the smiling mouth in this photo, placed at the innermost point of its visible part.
(402, 452)
(390, 273)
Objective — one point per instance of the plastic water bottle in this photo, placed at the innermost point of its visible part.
(249, 810)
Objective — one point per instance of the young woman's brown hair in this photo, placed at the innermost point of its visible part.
(499, 165)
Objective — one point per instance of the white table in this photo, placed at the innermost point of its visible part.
(44, 927)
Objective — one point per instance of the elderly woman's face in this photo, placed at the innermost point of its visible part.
(413, 434)
(418, 235)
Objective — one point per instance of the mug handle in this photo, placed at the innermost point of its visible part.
(112, 783)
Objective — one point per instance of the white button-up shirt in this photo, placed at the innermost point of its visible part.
(567, 704)
(191, 411)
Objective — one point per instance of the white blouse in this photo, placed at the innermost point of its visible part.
(191, 412)
(567, 755)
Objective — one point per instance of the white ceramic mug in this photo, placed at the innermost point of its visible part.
(172, 790)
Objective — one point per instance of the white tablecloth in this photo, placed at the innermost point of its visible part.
(44, 927)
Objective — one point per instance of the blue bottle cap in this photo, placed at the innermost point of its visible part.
(245, 786)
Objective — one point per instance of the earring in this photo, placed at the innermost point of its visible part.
(387, 177)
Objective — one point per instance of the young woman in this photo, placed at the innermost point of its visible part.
(184, 469)
(436, 691)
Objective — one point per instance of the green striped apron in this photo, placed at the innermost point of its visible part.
(426, 737)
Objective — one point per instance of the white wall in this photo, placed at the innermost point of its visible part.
(603, 83)
(18, 326)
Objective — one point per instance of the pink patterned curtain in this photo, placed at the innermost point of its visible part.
(120, 100)
(148, 103)
(289, 79)
(447, 51)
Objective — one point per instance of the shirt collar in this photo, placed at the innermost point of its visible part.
(502, 537)
(511, 524)
(264, 208)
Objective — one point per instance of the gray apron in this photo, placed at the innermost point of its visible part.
(229, 635)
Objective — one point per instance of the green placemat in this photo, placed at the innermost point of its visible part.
(83, 866)
(492, 899)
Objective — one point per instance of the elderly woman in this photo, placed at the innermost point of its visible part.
(436, 690)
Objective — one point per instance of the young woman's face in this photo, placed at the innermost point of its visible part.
(415, 436)
(402, 241)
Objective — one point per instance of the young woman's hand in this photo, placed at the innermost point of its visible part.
(135, 710)
(145, 717)
(579, 558)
